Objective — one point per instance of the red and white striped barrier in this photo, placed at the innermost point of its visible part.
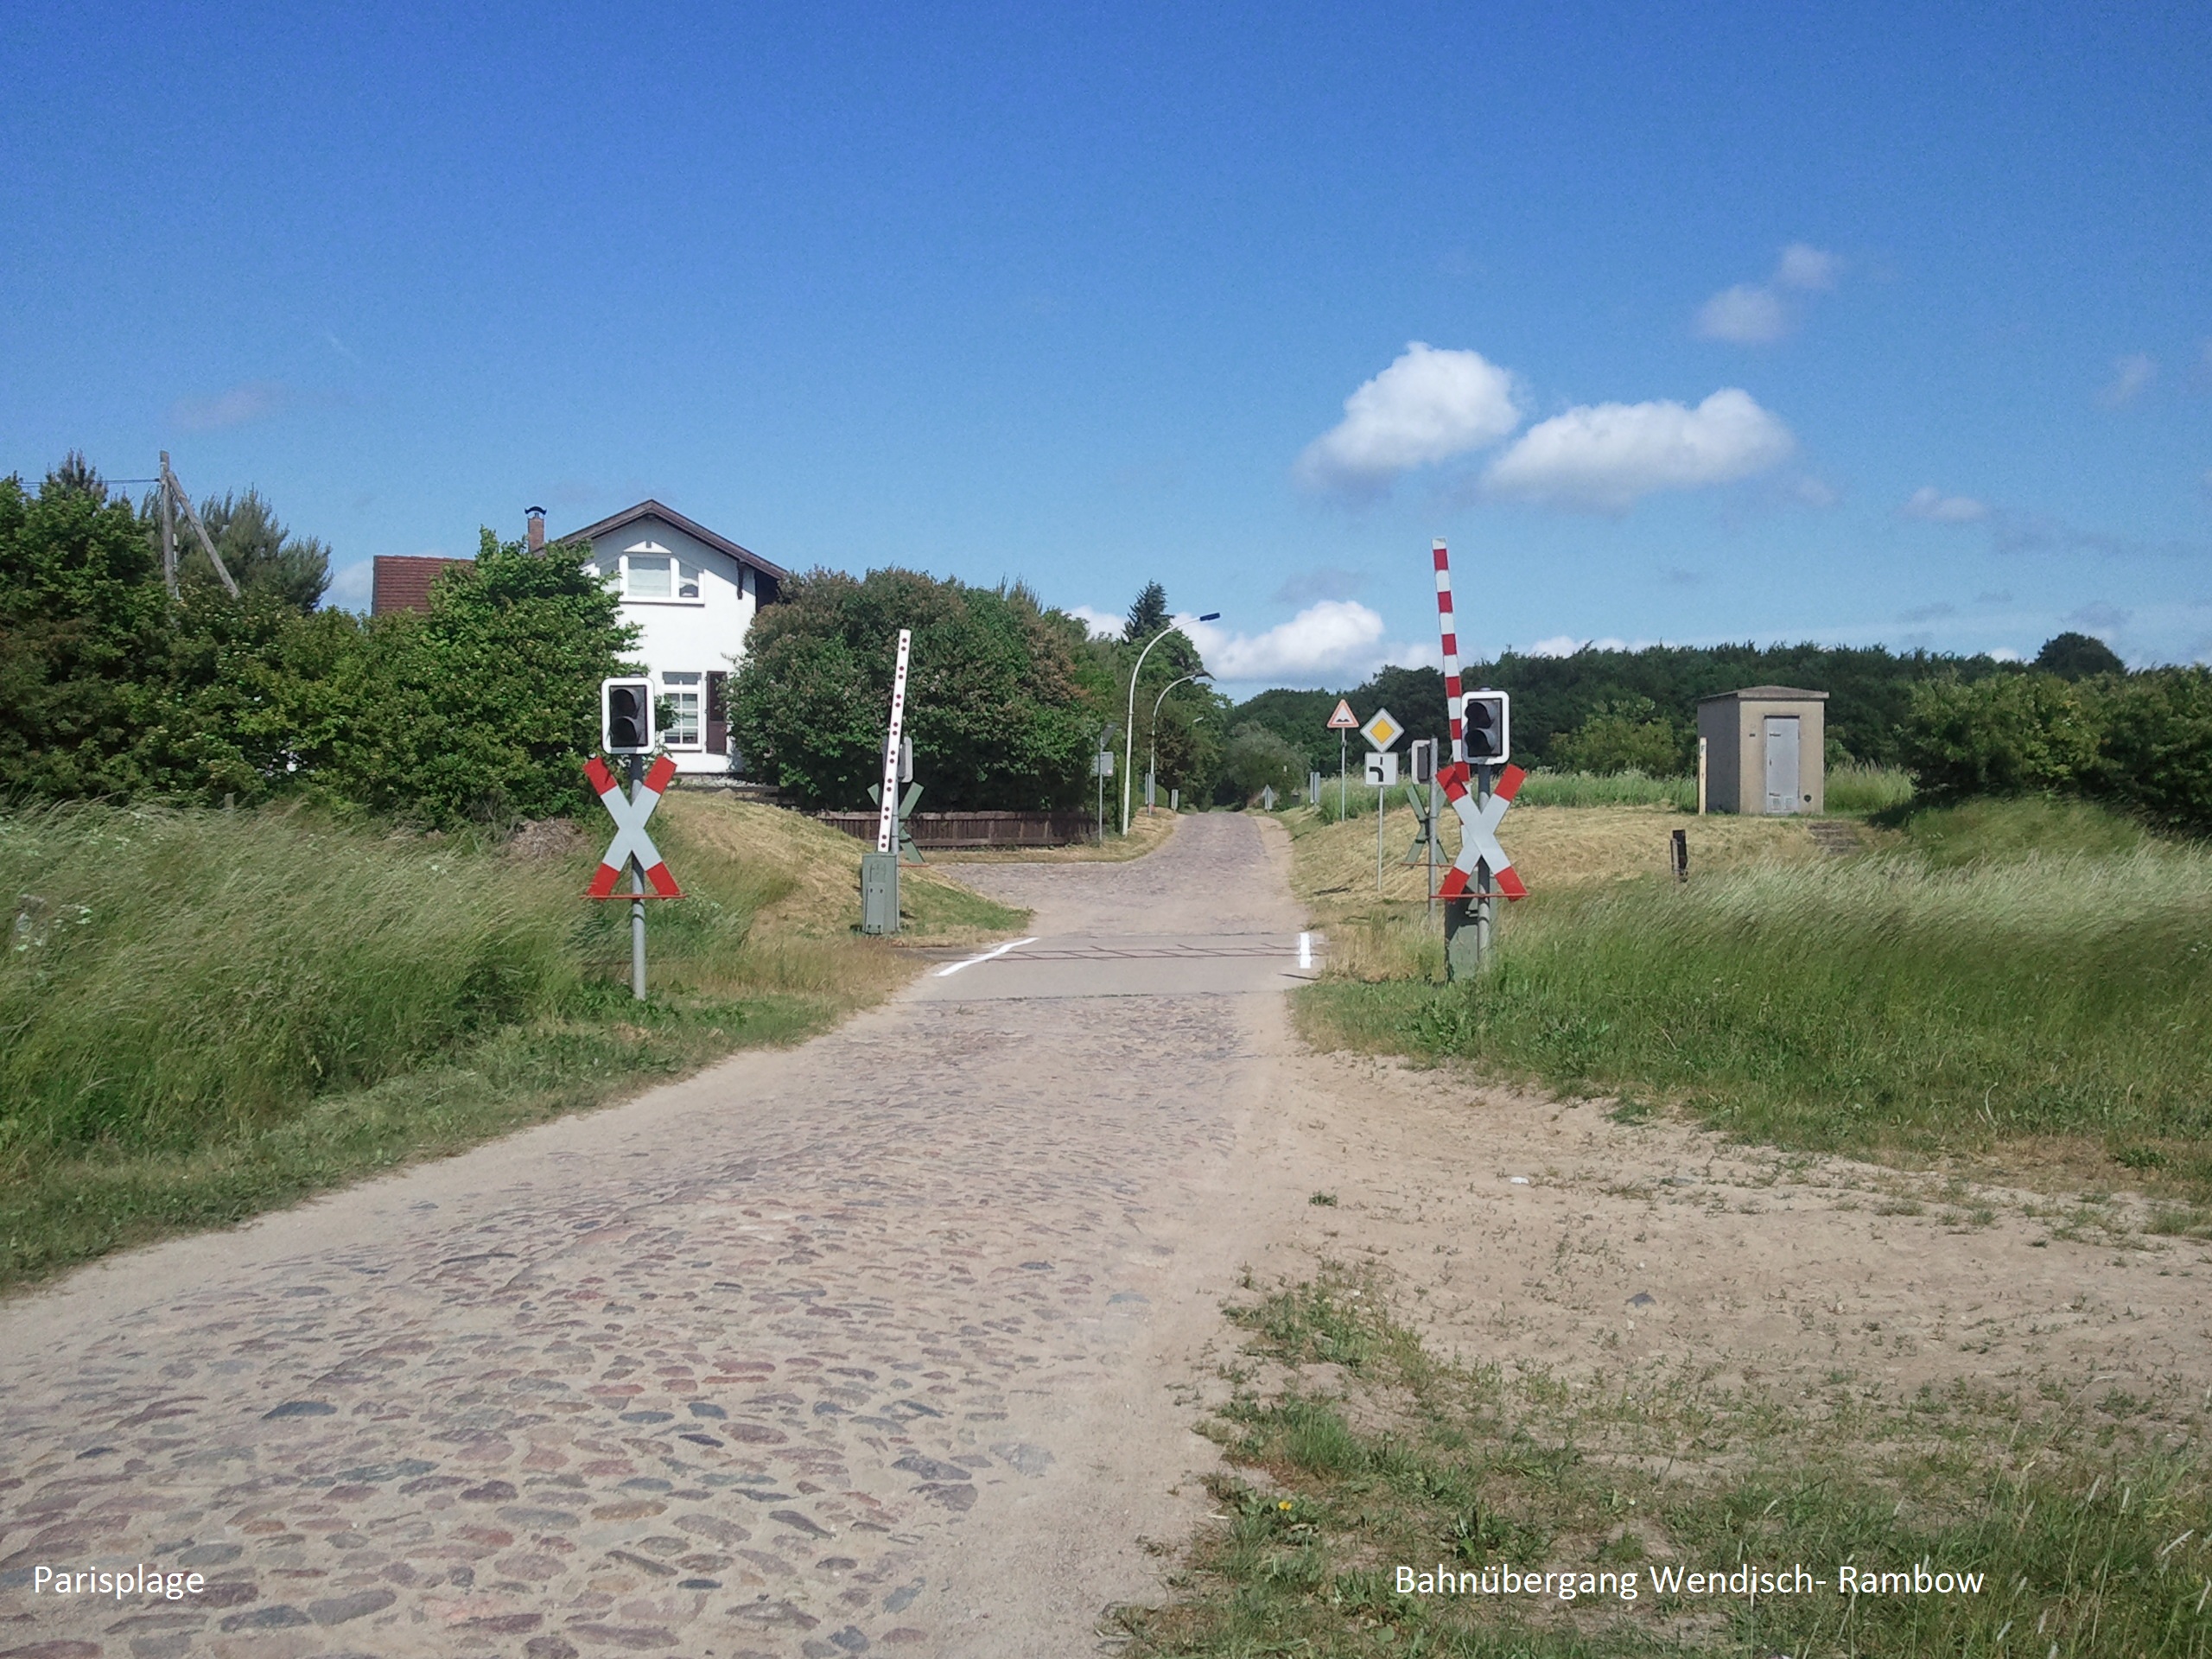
(1478, 817)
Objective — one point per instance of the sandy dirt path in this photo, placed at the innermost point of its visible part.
(860, 1346)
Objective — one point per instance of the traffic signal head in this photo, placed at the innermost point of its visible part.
(1487, 721)
(626, 716)
(1424, 760)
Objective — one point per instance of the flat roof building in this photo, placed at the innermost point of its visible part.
(1765, 750)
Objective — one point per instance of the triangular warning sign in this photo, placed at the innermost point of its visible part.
(1344, 719)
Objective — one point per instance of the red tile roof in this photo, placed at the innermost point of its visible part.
(403, 582)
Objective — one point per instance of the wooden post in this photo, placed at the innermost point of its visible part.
(169, 529)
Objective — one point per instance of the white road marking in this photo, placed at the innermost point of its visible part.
(952, 967)
(1306, 949)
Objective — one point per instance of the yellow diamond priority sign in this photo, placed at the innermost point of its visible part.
(1383, 730)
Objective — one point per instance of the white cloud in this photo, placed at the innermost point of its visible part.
(1428, 405)
(1754, 313)
(350, 587)
(1745, 314)
(1334, 637)
(2131, 377)
(2005, 654)
(1566, 644)
(1806, 267)
(1602, 458)
(250, 400)
(1103, 625)
(1929, 503)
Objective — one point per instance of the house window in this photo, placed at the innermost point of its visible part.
(687, 581)
(680, 710)
(647, 576)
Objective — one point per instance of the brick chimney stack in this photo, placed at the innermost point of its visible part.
(536, 534)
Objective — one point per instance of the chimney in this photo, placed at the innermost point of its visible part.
(536, 534)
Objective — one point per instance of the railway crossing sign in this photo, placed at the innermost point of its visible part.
(1383, 731)
(631, 842)
(1344, 719)
(1479, 816)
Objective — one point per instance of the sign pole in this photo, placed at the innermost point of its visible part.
(637, 903)
(1344, 786)
(1428, 849)
(1382, 793)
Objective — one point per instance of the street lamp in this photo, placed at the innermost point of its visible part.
(1129, 728)
(1151, 746)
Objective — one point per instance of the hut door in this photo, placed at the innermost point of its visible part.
(1781, 763)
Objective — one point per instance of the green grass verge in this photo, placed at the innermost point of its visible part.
(208, 1015)
(2088, 1535)
(1949, 997)
(58, 1210)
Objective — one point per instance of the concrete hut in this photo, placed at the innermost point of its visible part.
(1765, 750)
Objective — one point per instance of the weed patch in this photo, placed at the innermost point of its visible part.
(2078, 1531)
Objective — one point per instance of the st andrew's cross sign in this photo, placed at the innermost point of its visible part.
(631, 841)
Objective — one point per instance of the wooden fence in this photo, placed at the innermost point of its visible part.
(952, 829)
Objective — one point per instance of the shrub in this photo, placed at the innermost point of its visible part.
(1624, 734)
(2010, 734)
(993, 707)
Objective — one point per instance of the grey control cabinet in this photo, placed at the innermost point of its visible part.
(879, 893)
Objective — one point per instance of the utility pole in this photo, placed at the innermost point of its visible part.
(173, 491)
(169, 529)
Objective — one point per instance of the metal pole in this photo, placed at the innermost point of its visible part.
(1428, 876)
(1483, 900)
(1343, 798)
(1381, 792)
(1701, 777)
(637, 885)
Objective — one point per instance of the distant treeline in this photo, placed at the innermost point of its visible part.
(1641, 705)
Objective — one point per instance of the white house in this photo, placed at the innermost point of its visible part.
(693, 595)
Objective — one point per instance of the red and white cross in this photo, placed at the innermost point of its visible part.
(631, 841)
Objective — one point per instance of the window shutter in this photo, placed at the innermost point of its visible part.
(717, 716)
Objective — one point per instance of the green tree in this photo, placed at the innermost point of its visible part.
(1148, 616)
(2014, 734)
(2156, 753)
(261, 555)
(2074, 655)
(83, 620)
(1624, 734)
(486, 707)
(994, 704)
(1258, 758)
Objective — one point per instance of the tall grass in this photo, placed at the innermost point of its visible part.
(1856, 1004)
(170, 975)
(1856, 788)
(1631, 788)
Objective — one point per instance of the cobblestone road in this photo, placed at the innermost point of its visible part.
(863, 1346)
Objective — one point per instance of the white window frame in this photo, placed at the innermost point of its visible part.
(691, 684)
(681, 574)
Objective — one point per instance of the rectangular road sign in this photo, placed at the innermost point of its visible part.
(1383, 768)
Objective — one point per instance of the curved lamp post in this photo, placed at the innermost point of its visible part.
(1129, 730)
(1152, 746)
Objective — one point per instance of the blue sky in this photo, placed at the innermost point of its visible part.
(1695, 323)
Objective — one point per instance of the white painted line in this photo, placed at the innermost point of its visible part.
(952, 967)
(1306, 949)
